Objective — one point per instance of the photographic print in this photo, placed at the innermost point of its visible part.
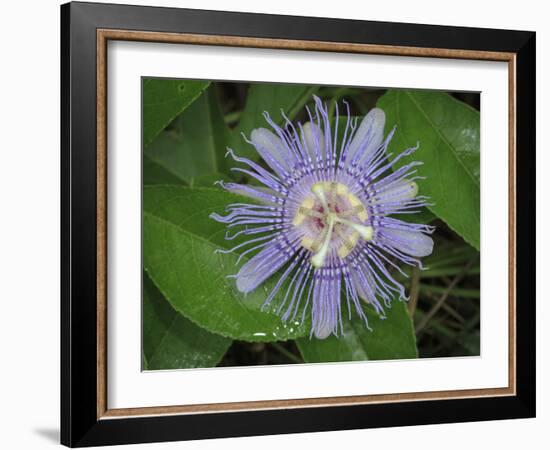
(289, 224)
(305, 213)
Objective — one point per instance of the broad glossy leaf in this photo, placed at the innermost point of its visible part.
(391, 338)
(272, 98)
(179, 243)
(170, 341)
(448, 133)
(163, 100)
(195, 144)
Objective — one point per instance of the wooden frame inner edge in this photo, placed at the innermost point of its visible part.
(101, 223)
(103, 35)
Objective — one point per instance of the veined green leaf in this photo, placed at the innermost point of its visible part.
(170, 341)
(179, 243)
(163, 100)
(448, 133)
(194, 146)
(390, 338)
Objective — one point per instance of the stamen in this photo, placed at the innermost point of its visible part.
(348, 244)
(341, 189)
(313, 213)
(358, 207)
(319, 190)
(338, 190)
(303, 211)
(332, 204)
(311, 244)
(365, 231)
(318, 259)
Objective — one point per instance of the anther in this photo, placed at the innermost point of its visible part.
(303, 211)
(336, 211)
(348, 244)
(365, 231)
(358, 207)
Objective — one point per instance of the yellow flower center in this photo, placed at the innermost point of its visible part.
(331, 218)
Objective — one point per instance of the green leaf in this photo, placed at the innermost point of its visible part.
(272, 98)
(391, 338)
(170, 341)
(163, 100)
(179, 243)
(144, 363)
(154, 173)
(448, 133)
(195, 144)
(208, 180)
(423, 216)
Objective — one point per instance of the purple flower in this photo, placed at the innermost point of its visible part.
(322, 221)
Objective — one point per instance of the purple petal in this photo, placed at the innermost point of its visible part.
(398, 191)
(365, 286)
(323, 330)
(410, 242)
(262, 266)
(368, 137)
(314, 141)
(261, 193)
(364, 289)
(272, 150)
(326, 304)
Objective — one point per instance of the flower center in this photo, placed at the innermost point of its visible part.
(331, 218)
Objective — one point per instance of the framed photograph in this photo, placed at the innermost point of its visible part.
(276, 224)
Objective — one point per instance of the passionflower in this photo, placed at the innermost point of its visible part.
(323, 220)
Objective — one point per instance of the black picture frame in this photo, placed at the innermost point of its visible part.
(80, 425)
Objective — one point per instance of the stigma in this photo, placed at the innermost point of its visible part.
(333, 220)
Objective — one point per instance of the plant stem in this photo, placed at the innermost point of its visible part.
(444, 296)
(435, 273)
(415, 289)
(459, 292)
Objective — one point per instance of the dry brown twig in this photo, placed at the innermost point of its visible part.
(444, 296)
